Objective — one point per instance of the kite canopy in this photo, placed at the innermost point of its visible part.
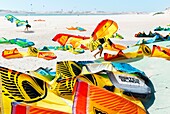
(157, 38)
(63, 38)
(143, 34)
(105, 28)
(92, 99)
(159, 28)
(15, 20)
(77, 28)
(21, 42)
(20, 91)
(32, 52)
(13, 53)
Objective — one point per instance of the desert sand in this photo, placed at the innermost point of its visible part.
(42, 32)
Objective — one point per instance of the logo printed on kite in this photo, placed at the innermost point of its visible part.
(129, 79)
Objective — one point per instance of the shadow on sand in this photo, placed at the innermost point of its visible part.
(28, 31)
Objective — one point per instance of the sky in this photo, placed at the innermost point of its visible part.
(86, 5)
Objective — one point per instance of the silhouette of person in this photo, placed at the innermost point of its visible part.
(27, 26)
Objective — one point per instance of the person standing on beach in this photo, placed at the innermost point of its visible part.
(100, 47)
(27, 26)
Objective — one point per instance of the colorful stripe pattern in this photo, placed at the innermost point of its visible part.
(91, 99)
(22, 87)
(18, 108)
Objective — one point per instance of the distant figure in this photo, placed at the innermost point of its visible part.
(100, 47)
(27, 26)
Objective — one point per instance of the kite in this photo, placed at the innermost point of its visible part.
(161, 52)
(29, 91)
(13, 53)
(92, 99)
(157, 38)
(32, 52)
(161, 29)
(66, 47)
(63, 38)
(21, 42)
(13, 19)
(105, 29)
(120, 56)
(108, 45)
(142, 51)
(46, 55)
(18, 41)
(77, 28)
(143, 34)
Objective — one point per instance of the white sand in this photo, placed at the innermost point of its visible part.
(43, 32)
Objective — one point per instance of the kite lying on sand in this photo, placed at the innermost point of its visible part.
(161, 52)
(18, 41)
(161, 29)
(32, 52)
(128, 56)
(77, 28)
(66, 47)
(144, 50)
(157, 38)
(143, 34)
(63, 38)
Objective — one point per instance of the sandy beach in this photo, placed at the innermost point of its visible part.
(42, 33)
